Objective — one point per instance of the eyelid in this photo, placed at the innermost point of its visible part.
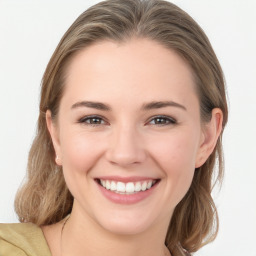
(171, 120)
(85, 118)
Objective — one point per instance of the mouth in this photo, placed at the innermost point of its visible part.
(127, 188)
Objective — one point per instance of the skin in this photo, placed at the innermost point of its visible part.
(127, 140)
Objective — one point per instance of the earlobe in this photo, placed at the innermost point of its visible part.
(210, 134)
(52, 128)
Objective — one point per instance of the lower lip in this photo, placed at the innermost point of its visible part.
(127, 198)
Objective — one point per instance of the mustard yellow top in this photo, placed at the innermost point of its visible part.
(22, 239)
(27, 239)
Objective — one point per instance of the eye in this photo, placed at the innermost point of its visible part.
(92, 120)
(162, 120)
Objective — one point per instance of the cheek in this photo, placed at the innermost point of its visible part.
(176, 156)
(176, 151)
(79, 152)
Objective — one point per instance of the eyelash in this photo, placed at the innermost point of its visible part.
(88, 119)
(168, 120)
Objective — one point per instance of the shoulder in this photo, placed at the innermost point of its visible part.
(22, 239)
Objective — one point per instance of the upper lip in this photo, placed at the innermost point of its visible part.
(126, 179)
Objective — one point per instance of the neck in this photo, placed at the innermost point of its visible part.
(82, 236)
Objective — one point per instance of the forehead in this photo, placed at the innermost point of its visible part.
(140, 69)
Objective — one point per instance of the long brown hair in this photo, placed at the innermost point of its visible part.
(44, 198)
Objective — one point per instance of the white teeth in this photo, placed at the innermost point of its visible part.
(120, 187)
(128, 188)
(108, 185)
(137, 186)
(144, 186)
(149, 185)
(113, 186)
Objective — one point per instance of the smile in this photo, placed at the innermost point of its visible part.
(127, 188)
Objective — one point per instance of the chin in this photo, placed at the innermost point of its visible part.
(128, 222)
(126, 227)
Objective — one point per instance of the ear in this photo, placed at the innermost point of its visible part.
(210, 134)
(53, 130)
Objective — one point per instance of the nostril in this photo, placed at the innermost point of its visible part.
(124, 157)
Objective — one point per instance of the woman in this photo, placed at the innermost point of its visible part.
(131, 116)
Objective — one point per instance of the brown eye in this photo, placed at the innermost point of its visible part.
(162, 120)
(92, 120)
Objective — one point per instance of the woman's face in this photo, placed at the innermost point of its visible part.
(128, 134)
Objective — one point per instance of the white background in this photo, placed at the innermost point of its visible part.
(29, 33)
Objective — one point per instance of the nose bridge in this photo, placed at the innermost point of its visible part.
(125, 145)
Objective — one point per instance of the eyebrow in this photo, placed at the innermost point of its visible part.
(162, 104)
(91, 104)
(145, 106)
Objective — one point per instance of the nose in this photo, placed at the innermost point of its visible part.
(126, 147)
